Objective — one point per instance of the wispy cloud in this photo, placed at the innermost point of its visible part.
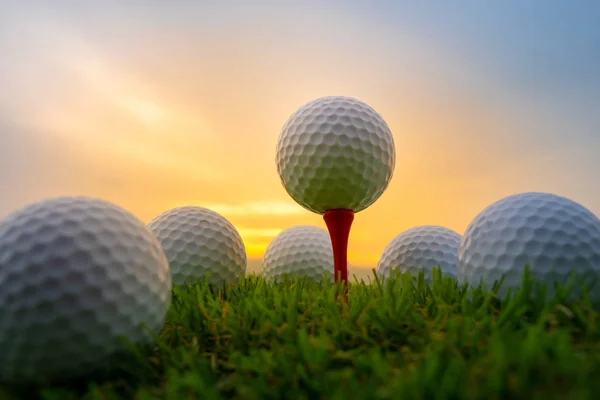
(101, 105)
(256, 240)
(270, 208)
(255, 233)
(154, 107)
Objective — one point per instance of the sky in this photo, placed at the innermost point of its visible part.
(153, 105)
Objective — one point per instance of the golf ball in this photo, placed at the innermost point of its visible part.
(551, 234)
(419, 249)
(76, 274)
(199, 242)
(335, 153)
(299, 251)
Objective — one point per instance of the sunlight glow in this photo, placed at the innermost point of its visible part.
(148, 112)
(255, 249)
(275, 208)
(258, 232)
(152, 116)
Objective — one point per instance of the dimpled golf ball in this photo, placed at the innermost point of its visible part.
(200, 243)
(551, 234)
(419, 249)
(335, 153)
(299, 251)
(76, 274)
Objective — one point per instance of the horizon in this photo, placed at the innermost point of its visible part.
(153, 107)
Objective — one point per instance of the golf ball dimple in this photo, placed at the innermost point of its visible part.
(299, 251)
(76, 274)
(550, 233)
(419, 249)
(199, 242)
(335, 153)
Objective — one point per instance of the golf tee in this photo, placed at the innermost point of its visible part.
(339, 223)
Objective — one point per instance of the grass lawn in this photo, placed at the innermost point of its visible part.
(295, 341)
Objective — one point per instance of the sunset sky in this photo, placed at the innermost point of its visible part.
(156, 104)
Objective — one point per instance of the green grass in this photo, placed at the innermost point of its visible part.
(294, 340)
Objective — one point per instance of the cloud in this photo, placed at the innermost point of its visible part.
(258, 232)
(92, 100)
(153, 107)
(266, 208)
(32, 166)
(256, 240)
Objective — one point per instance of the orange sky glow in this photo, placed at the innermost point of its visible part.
(188, 118)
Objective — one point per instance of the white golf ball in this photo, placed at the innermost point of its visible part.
(335, 153)
(75, 275)
(198, 243)
(299, 251)
(551, 234)
(419, 249)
